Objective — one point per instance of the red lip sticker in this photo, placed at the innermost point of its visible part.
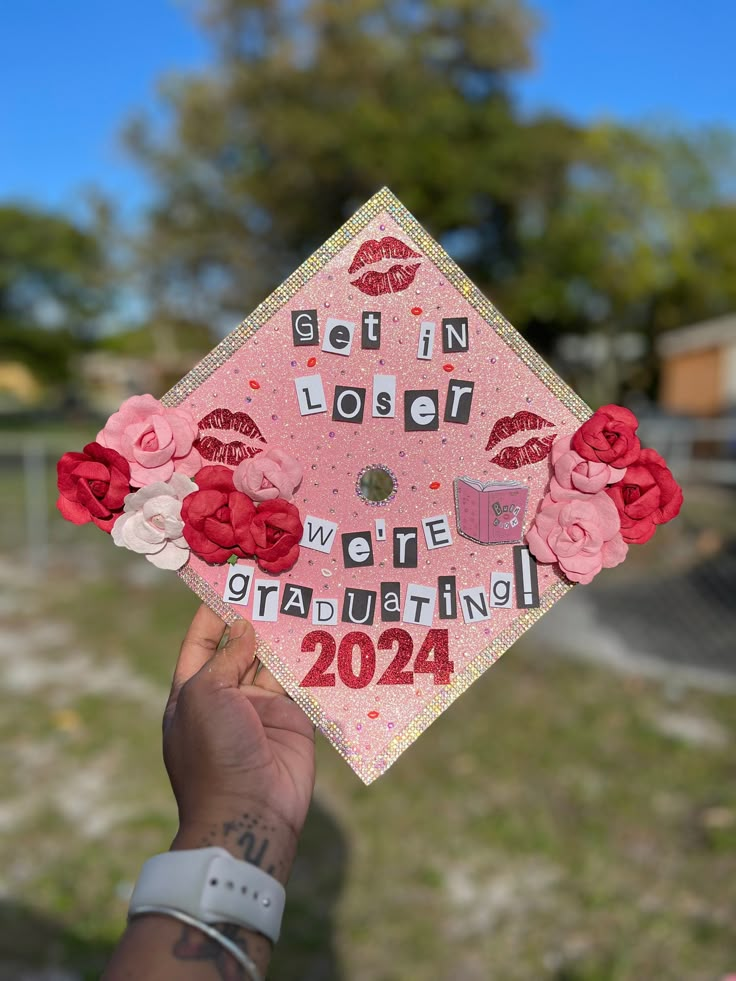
(535, 449)
(399, 277)
(230, 452)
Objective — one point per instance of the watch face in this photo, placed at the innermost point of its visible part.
(422, 423)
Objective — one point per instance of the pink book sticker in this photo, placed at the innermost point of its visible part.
(490, 513)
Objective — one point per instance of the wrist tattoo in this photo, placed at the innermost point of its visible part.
(195, 946)
(248, 837)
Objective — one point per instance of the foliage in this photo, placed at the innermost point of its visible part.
(51, 289)
(308, 114)
(312, 106)
(309, 107)
(639, 243)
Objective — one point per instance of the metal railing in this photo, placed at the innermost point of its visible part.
(698, 451)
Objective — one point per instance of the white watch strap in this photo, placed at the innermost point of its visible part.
(211, 885)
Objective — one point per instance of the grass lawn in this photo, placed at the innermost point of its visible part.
(558, 822)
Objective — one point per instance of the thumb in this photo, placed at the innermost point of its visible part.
(228, 667)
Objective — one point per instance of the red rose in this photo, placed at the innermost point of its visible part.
(647, 496)
(609, 436)
(277, 531)
(217, 518)
(93, 485)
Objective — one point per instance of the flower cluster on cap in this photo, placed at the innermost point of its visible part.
(143, 481)
(606, 493)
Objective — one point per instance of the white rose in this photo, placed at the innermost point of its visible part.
(151, 522)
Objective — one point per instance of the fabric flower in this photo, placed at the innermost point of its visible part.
(217, 518)
(155, 440)
(92, 485)
(269, 475)
(151, 522)
(277, 530)
(572, 474)
(609, 436)
(582, 534)
(647, 496)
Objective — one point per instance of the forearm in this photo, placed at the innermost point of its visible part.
(160, 947)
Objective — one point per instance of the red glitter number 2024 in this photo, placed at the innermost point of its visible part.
(436, 642)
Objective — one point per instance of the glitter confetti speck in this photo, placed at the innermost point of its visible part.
(331, 435)
(255, 385)
(293, 364)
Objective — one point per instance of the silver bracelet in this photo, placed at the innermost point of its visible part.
(240, 956)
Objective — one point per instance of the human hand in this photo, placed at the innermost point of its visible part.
(234, 742)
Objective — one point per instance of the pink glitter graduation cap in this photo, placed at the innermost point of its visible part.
(379, 472)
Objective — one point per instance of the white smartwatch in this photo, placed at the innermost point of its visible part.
(212, 886)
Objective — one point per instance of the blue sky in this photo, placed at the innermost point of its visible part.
(72, 72)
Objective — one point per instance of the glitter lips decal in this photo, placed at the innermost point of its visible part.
(232, 451)
(375, 282)
(535, 449)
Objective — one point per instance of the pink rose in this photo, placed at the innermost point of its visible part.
(155, 440)
(582, 534)
(268, 475)
(573, 474)
(151, 523)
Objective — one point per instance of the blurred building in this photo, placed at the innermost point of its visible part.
(108, 379)
(19, 388)
(698, 368)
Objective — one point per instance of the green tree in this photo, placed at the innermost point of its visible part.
(638, 244)
(312, 105)
(51, 290)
